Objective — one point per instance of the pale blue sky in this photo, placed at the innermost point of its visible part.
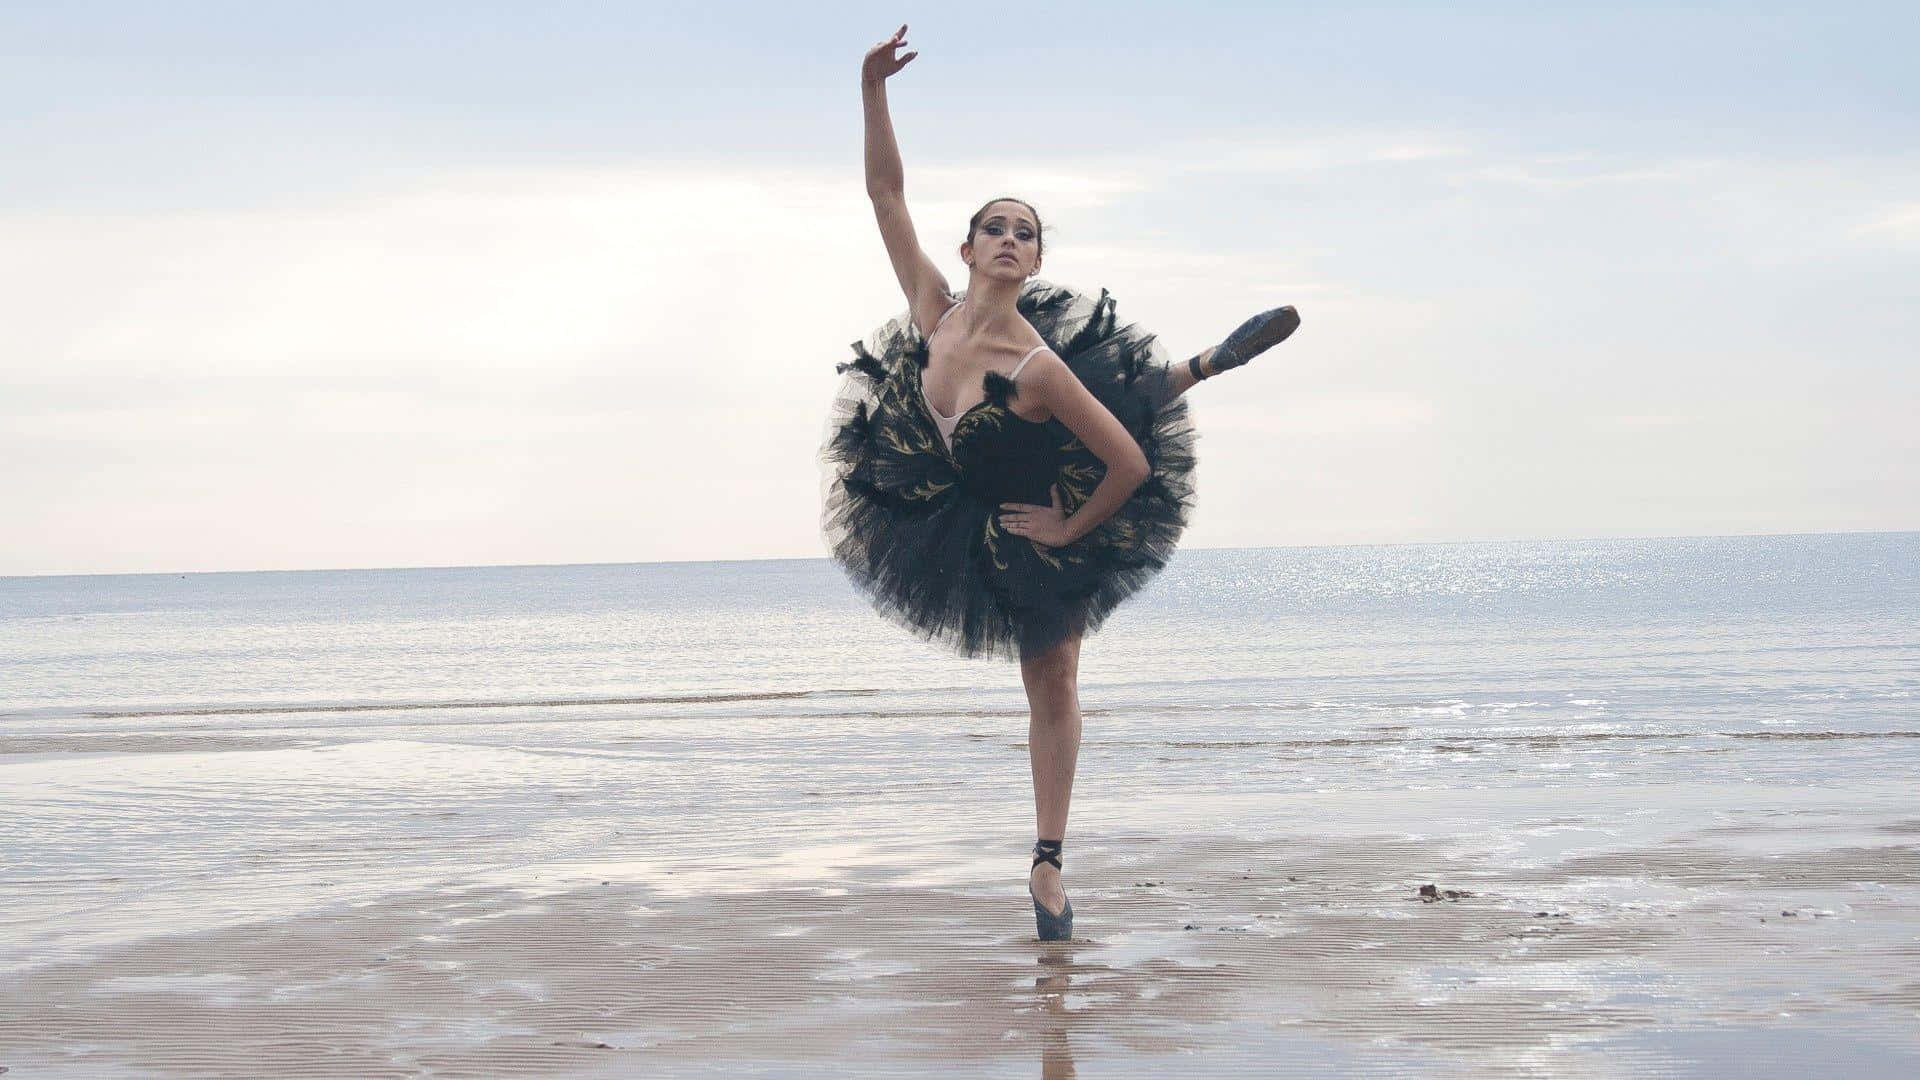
(207, 99)
(441, 284)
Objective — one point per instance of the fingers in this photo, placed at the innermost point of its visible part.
(1019, 518)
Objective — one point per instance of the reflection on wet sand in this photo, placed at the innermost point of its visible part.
(1056, 1039)
(1233, 954)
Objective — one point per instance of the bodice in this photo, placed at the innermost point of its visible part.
(1003, 458)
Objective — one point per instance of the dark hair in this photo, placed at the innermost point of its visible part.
(1039, 230)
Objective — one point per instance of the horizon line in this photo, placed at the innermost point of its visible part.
(828, 558)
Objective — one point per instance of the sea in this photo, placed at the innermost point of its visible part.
(182, 751)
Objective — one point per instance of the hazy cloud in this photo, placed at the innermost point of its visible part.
(603, 363)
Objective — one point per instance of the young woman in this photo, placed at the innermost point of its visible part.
(1007, 467)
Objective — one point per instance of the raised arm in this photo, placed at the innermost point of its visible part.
(925, 287)
(1056, 386)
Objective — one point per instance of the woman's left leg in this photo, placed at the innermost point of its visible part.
(1052, 679)
(1253, 337)
(1179, 377)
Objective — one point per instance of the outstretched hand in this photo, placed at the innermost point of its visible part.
(881, 61)
(1046, 526)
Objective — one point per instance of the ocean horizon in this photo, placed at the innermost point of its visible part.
(1457, 542)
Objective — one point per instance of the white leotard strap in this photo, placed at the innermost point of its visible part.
(942, 320)
(1023, 361)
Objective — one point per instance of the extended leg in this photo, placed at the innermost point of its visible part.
(1179, 377)
(1052, 679)
(1250, 339)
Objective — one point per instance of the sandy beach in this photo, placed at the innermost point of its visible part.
(1759, 950)
(458, 823)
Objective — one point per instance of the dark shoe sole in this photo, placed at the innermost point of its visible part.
(1255, 336)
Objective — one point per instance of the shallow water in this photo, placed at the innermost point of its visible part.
(186, 749)
(1659, 726)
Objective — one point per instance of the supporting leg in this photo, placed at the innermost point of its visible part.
(1052, 679)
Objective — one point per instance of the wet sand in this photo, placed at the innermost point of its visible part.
(1742, 951)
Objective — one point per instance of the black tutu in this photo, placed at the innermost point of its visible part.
(915, 524)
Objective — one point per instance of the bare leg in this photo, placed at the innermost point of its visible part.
(1179, 376)
(1053, 747)
(1253, 337)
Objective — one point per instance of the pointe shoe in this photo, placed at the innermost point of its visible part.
(1049, 926)
(1250, 339)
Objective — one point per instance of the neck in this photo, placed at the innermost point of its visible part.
(991, 298)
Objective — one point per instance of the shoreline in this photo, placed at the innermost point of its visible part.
(1317, 951)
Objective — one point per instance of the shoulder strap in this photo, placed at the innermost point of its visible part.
(942, 320)
(1024, 359)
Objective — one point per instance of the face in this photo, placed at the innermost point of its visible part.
(1007, 243)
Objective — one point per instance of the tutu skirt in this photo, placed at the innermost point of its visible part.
(913, 520)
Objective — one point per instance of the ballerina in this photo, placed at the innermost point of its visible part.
(1008, 465)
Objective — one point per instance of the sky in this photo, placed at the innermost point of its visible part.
(348, 285)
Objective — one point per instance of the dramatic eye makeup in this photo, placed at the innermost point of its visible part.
(994, 226)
